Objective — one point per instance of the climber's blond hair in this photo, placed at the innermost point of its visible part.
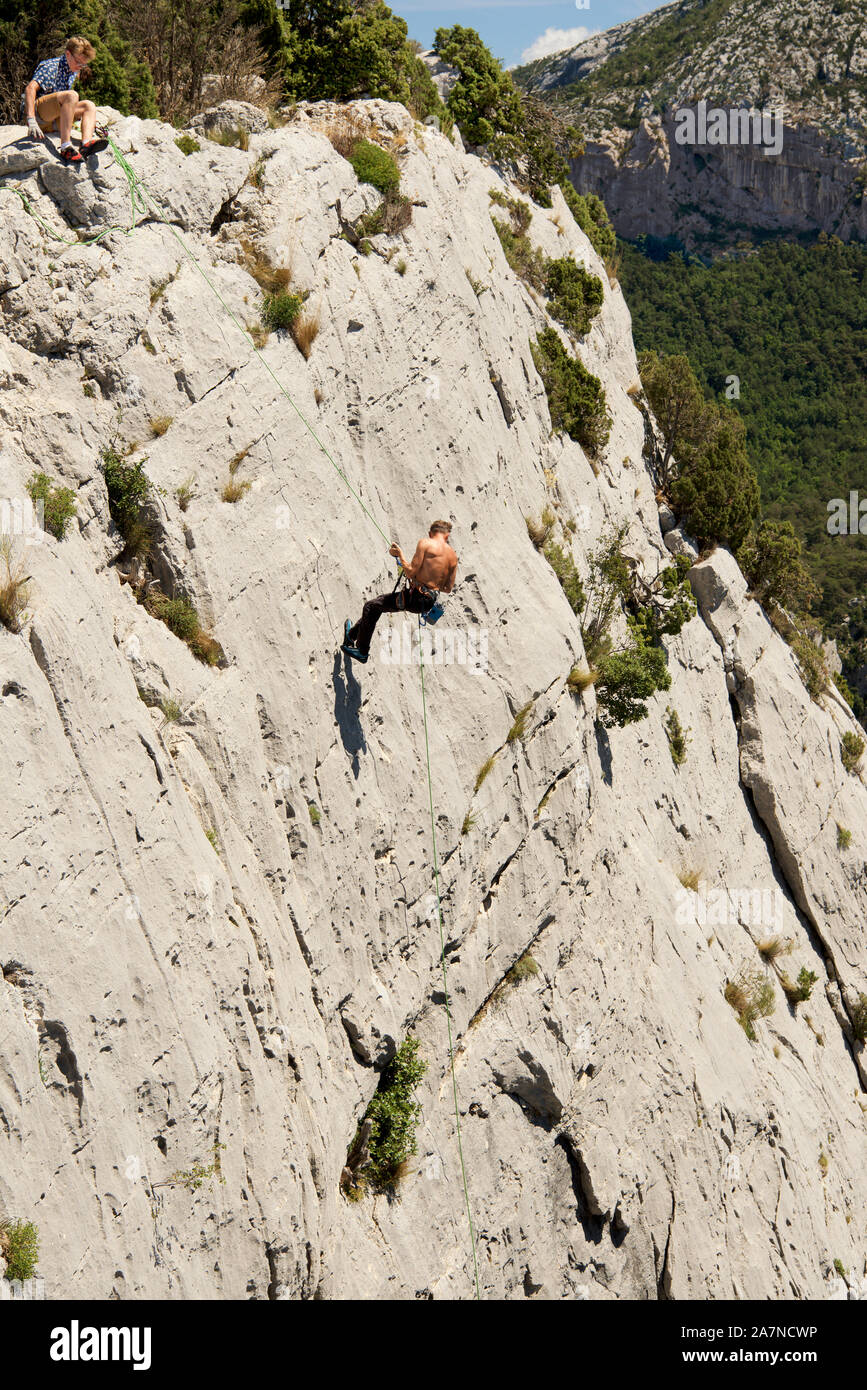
(80, 48)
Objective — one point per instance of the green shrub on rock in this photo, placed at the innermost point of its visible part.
(575, 295)
(591, 215)
(626, 680)
(19, 1243)
(851, 750)
(484, 101)
(811, 664)
(394, 1113)
(752, 996)
(717, 492)
(576, 398)
(279, 311)
(525, 259)
(374, 166)
(678, 737)
(341, 49)
(58, 503)
(563, 565)
(128, 488)
(770, 558)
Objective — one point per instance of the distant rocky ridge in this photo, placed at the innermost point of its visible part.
(623, 88)
(708, 197)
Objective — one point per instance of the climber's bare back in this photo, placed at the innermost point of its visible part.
(434, 564)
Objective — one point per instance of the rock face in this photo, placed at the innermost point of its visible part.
(218, 920)
(230, 116)
(706, 194)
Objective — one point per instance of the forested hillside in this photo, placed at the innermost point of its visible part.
(790, 322)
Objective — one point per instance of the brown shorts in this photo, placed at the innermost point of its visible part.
(48, 111)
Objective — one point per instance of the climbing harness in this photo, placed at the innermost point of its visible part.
(433, 614)
(141, 200)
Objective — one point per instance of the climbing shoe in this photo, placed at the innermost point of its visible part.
(347, 647)
(70, 155)
(93, 147)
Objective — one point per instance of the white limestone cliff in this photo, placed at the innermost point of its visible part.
(194, 965)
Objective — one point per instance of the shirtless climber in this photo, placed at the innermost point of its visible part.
(49, 100)
(431, 571)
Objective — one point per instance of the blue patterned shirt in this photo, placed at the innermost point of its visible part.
(54, 75)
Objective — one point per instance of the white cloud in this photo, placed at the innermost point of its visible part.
(554, 41)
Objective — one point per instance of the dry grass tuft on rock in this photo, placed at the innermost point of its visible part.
(346, 129)
(237, 136)
(524, 969)
(690, 877)
(185, 493)
(752, 996)
(540, 531)
(14, 590)
(235, 489)
(519, 730)
(259, 334)
(305, 330)
(271, 279)
(483, 771)
(171, 711)
(578, 681)
(772, 947)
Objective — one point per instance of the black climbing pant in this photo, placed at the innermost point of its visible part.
(407, 600)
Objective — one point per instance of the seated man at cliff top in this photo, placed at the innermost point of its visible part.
(49, 100)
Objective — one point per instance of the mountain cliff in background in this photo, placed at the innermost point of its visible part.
(623, 88)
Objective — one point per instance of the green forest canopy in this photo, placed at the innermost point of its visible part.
(790, 321)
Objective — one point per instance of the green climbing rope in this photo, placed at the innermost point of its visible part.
(137, 206)
(436, 869)
(136, 182)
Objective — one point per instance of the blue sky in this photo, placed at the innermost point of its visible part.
(517, 30)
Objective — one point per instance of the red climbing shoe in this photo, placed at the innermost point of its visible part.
(93, 147)
(70, 155)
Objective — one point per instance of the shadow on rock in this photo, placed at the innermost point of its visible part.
(603, 746)
(347, 711)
